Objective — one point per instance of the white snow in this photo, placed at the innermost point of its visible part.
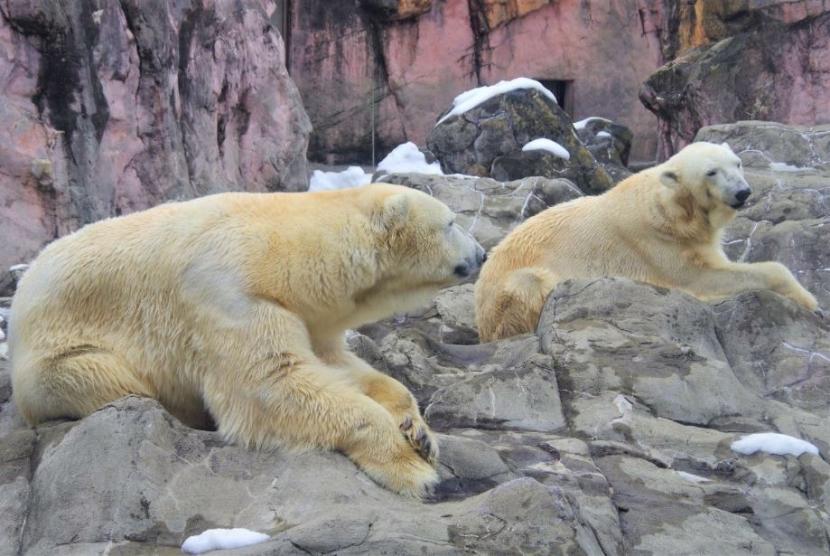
(604, 134)
(2, 336)
(784, 167)
(692, 477)
(547, 145)
(353, 176)
(216, 539)
(582, 123)
(19, 268)
(773, 443)
(472, 98)
(407, 158)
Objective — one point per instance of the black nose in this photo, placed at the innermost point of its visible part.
(462, 270)
(742, 195)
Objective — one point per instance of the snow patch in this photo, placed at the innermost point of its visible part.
(784, 167)
(353, 176)
(582, 123)
(692, 478)
(547, 145)
(470, 99)
(604, 134)
(218, 539)
(407, 158)
(773, 443)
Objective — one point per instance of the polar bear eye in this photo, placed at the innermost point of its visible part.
(711, 172)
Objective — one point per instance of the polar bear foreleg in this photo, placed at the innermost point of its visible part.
(733, 278)
(306, 404)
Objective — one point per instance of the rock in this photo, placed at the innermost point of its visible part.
(488, 139)
(489, 209)
(140, 476)
(609, 143)
(776, 350)
(692, 24)
(734, 79)
(658, 345)
(524, 398)
(658, 521)
(115, 110)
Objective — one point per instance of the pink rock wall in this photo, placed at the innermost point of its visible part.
(114, 106)
(417, 66)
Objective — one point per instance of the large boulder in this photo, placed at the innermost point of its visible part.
(487, 140)
(776, 71)
(111, 110)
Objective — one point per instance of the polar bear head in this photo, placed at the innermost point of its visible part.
(711, 173)
(420, 242)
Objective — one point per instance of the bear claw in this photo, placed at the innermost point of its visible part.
(420, 439)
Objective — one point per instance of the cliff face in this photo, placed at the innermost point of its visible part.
(738, 60)
(394, 73)
(113, 106)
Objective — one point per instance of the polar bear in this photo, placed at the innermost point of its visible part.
(237, 303)
(662, 226)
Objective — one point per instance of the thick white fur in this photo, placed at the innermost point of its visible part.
(238, 303)
(661, 226)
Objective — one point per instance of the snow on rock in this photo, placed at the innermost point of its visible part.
(472, 98)
(353, 176)
(406, 158)
(582, 123)
(547, 145)
(773, 443)
(219, 539)
(604, 134)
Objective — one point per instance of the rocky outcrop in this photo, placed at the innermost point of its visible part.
(773, 70)
(687, 25)
(488, 140)
(114, 109)
(607, 431)
(386, 81)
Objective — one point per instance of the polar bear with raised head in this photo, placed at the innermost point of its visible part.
(662, 226)
(237, 304)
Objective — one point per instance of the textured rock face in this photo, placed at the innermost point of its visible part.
(700, 22)
(106, 111)
(395, 77)
(607, 431)
(775, 71)
(488, 139)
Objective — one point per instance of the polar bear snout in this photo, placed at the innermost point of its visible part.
(471, 264)
(741, 196)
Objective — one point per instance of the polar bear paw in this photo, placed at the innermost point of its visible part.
(421, 438)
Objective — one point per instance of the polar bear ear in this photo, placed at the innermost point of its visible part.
(392, 212)
(669, 178)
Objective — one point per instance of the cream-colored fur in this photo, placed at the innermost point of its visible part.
(661, 226)
(238, 303)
